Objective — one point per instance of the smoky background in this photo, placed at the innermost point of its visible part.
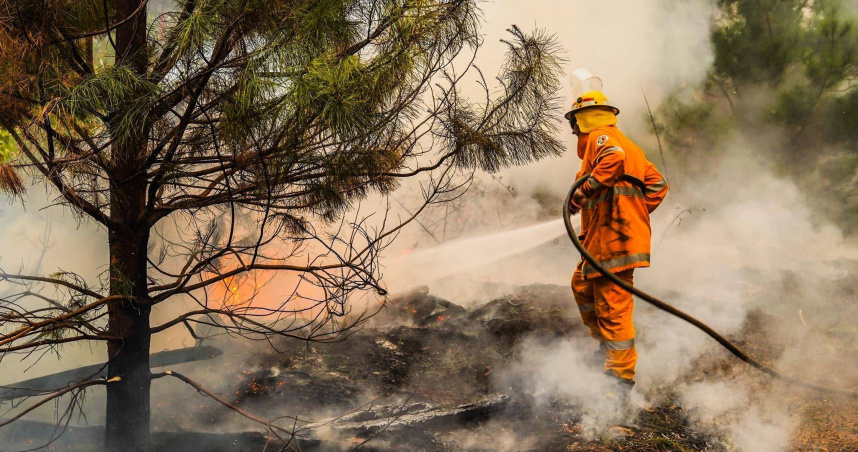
(736, 237)
(756, 251)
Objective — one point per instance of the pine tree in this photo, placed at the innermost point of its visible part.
(284, 113)
(782, 68)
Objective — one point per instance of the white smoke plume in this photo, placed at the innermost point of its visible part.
(721, 247)
(739, 239)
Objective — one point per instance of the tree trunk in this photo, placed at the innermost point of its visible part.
(127, 422)
(127, 427)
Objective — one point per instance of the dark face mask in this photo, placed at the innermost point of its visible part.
(572, 122)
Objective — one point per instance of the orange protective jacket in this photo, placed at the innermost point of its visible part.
(622, 190)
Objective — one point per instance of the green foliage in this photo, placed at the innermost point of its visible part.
(106, 91)
(250, 123)
(792, 105)
(295, 108)
(8, 149)
(831, 47)
(757, 40)
(843, 116)
(806, 52)
(691, 128)
(490, 141)
(324, 24)
(333, 87)
(199, 28)
(784, 68)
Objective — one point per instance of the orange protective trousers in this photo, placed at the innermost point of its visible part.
(606, 310)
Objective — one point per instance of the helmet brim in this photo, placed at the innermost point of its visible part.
(569, 114)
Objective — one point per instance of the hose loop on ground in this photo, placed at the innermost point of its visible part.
(732, 348)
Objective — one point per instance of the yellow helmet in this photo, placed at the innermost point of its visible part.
(591, 99)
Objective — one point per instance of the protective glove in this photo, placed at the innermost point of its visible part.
(577, 201)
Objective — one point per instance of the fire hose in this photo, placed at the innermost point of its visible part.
(732, 348)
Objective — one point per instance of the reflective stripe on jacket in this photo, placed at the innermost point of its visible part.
(623, 189)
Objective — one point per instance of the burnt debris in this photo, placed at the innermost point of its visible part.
(421, 375)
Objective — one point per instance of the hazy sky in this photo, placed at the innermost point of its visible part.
(634, 46)
(630, 44)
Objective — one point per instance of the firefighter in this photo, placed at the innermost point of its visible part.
(615, 203)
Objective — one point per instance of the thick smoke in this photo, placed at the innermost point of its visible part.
(736, 241)
(729, 245)
(37, 241)
(636, 48)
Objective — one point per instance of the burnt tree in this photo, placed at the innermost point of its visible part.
(227, 140)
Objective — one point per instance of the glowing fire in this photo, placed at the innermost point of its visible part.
(233, 293)
(268, 293)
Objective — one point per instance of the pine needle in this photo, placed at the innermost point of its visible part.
(10, 182)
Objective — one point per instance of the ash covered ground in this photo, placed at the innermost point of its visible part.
(427, 374)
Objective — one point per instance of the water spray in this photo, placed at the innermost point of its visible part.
(732, 348)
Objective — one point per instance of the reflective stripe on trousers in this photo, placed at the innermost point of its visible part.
(606, 309)
(617, 263)
(620, 345)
